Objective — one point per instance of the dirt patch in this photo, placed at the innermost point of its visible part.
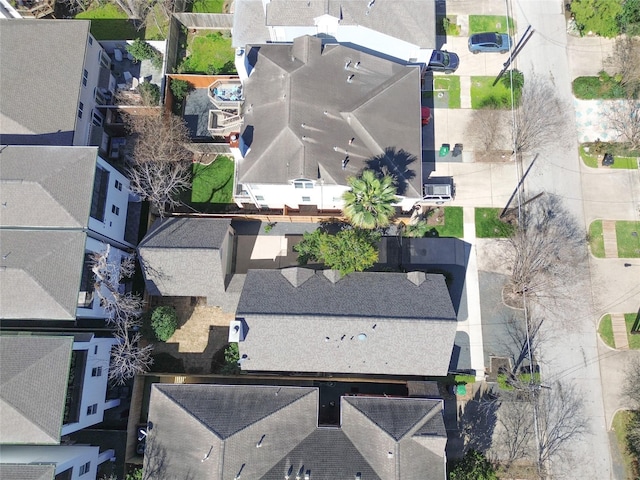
(498, 156)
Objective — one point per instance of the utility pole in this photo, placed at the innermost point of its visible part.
(521, 43)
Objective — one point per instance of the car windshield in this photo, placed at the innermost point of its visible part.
(445, 59)
(499, 40)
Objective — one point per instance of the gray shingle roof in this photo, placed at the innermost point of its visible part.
(410, 20)
(33, 386)
(285, 438)
(40, 272)
(183, 256)
(299, 106)
(46, 186)
(42, 63)
(369, 322)
(27, 472)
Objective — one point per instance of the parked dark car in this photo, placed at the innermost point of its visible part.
(489, 42)
(443, 61)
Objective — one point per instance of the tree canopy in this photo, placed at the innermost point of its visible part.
(369, 203)
(598, 16)
(349, 250)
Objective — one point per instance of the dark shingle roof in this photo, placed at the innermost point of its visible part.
(282, 437)
(299, 106)
(368, 323)
(40, 272)
(182, 256)
(42, 63)
(394, 417)
(27, 472)
(47, 186)
(243, 405)
(33, 386)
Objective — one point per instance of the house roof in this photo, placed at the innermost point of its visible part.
(182, 256)
(27, 472)
(367, 322)
(47, 186)
(42, 64)
(40, 273)
(276, 433)
(33, 387)
(301, 110)
(410, 20)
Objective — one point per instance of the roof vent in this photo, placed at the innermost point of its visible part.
(307, 475)
(259, 444)
(344, 162)
(350, 78)
(389, 454)
(417, 278)
(362, 337)
(357, 65)
(358, 476)
(347, 65)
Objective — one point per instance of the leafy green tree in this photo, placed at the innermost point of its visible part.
(474, 466)
(515, 76)
(416, 230)
(141, 50)
(179, 88)
(135, 475)
(164, 321)
(231, 358)
(630, 17)
(369, 203)
(597, 16)
(149, 93)
(349, 250)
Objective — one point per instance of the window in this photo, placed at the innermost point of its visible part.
(92, 409)
(99, 199)
(97, 119)
(302, 183)
(118, 185)
(95, 350)
(85, 294)
(259, 198)
(80, 108)
(306, 199)
(90, 40)
(96, 372)
(115, 209)
(85, 468)
(85, 76)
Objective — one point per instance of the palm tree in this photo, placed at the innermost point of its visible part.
(369, 203)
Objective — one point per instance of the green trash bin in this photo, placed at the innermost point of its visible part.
(461, 389)
(444, 149)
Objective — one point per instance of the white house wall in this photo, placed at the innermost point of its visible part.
(92, 54)
(94, 388)
(277, 196)
(63, 456)
(115, 257)
(379, 42)
(115, 215)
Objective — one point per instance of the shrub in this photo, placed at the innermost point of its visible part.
(180, 89)
(231, 358)
(474, 466)
(164, 321)
(150, 93)
(516, 76)
(141, 50)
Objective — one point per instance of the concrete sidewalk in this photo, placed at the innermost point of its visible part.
(619, 327)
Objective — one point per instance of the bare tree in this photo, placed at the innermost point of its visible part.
(157, 138)
(515, 431)
(540, 117)
(547, 254)
(561, 418)
(128, 358)
(488, 128)
(524, 337)
(159, 162)
(624, 63)
(624, 117)
(631, 386)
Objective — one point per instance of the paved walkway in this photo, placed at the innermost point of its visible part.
(610, 241)
(473, 324)
(619, 327)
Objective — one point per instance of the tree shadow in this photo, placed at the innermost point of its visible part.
(394, 163)
(477, 421)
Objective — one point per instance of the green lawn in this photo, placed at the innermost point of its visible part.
(634, 340)
(450, 84)
(606, 330)
(596, 240)
(447, 25)
(208, 6)
(484, 95)
(620, 160)
(628, 237)
(489, 225)
(453, 226)
(490, 23)
(109, 22)
(213, 183)
(588, 159)
(621, 419)
(209, 53)
(628, 163)
(591, 88)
